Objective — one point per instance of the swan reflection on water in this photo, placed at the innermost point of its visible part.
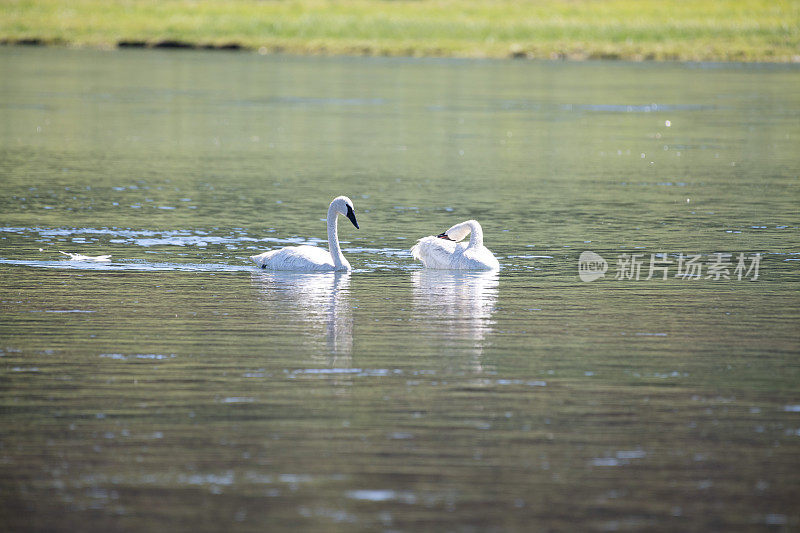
(458, 306)
(320, 302)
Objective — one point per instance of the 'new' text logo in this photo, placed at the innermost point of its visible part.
(591, 266)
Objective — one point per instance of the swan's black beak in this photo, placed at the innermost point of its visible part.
(444, 236)
(352, 216)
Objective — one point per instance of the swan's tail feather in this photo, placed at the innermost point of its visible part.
(415, 251)
(262, 260)
(433, 252)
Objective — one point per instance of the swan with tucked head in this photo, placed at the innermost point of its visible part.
(311, 258)
(446, 252)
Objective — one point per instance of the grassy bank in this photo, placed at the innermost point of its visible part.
(725, 30)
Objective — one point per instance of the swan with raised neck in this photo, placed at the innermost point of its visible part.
(312, 258)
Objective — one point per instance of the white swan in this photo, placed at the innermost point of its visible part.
(445, 252)
(311, 258)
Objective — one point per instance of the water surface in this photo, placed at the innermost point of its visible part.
(177, 387)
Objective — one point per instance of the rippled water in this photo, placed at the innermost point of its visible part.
(177, 387)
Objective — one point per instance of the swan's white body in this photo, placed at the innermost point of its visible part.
(311, 258)
(445, 252)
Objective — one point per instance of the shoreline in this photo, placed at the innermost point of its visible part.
(321, 50)
(748, 31)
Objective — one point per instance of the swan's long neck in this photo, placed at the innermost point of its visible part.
(475, 234)
(333, 238)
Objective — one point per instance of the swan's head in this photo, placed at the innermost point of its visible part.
(344, 206)
(459, 231)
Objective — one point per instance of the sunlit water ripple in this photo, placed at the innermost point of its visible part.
(129, 245)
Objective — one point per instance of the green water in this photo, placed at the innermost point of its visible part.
(177, 388)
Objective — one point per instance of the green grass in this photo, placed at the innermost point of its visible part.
(736, 30)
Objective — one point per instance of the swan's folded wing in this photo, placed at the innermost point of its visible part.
(480, 259)
(295, 258)
(434, 252)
